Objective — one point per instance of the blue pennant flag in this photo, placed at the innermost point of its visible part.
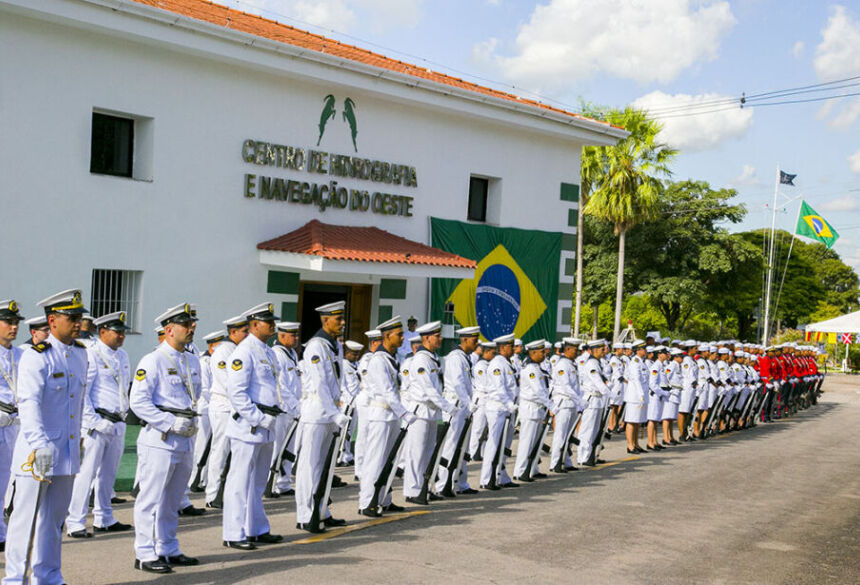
(786, 179)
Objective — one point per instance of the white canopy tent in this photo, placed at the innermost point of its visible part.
(849, 323)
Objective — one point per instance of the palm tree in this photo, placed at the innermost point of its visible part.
(590, 174)
(628, 191)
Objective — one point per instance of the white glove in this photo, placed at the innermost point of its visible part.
(341, 420)
(268, 422)
(408, 419)
(104, 426)
(6, 419)
(181, 426)
(43, 461)
(513, 408)
(473, 406)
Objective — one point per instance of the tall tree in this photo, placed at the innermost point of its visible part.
(628, 189)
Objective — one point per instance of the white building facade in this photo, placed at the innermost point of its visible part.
(149, 147)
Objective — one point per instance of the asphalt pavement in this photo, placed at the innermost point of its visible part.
(777, 504)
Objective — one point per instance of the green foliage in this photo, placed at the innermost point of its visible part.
(824, 311)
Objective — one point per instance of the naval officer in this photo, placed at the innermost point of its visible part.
(568, 400)
(534, 405)
(290, 393)
(51, 379)
(164, 395)
(105, 409)
(252, 388)
(10, 357)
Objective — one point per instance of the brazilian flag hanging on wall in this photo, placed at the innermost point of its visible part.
(515, 286)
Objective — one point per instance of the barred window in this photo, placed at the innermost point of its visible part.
(117, 290)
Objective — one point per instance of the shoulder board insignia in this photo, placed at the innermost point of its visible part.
(58, 374)
(236, 365)
(532, 375)
(140, 375)
(480, 372)
(315, 359)
(222, 365)
(172, 371)
(722, 369)
(40, 347)
(80, 344)
(497, 372)
(405, 372)
(421, 370)
(188, 349)
(593, 371)
(561, 372)
(686, 366)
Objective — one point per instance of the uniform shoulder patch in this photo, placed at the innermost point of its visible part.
(405, 372)
(236, 365)
(531, 375)
(497, 372)
(480, 372)
(222, 365)
(561, 372)
(421, 370)
(315, 359)
(40, 347)
(80, 344)
(140, 375)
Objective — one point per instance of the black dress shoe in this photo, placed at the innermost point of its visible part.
(399, 472)
(115, 527)
(156, 566)
(3, 546)
(370, 512)
(510, 484)
(82, 533)
(116, 500)
(331, 522)
(392, 507)
(337, 482)
(271, 495)
(570, 468)
(418, 501)
(434, 497)
(599, 461)
(539, 475)
(308, 527)
(629, 450)
(658, 447)
(190, 510)
(467, 492)
(523, 478)
(448, 493)
(180, 560)
(214, 505)
(490, 487)
(289, 492)
(240, 544)
(638, 449)
(558, 469)
(477, 458)
(266, 538)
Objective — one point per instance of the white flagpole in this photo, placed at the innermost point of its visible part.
(766, 327)
(788, 258)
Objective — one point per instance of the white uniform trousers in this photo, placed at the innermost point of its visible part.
(204, 431)
(315, 439)
(530, 433)
(98, 473)
(283, 481)
(509, 440)
(45, 560)
(588, 429)
(739, 405)
(712, 395)
(479, 424)
(218, 419)
(360, 438)
(417, 449)
(564, 418)
(7, 446)
(244, 515)
(495, 424)
(378, 442)
(449, 448)
(346, 455)
(163, 479)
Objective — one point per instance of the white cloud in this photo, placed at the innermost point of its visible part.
(847, 202)
(854, 162)
(482, 53)
(337, 15)
(837, 57)
(569, 40)
(797, 50)
(695, 132)
(747, 178)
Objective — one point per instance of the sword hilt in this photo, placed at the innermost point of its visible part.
(30, 466)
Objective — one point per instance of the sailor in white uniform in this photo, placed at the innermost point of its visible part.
(374, 342)
(50, 386)
(350, 385)
(480, 381)
(203, 439)
(290, 395)
(164, 395)
(500, 408)
(10, 358)
(39, 330)
(220, 409)
(636, 395)
(252, 387)
(534, 405)
(594, 392)
(657, 386)
(105, 409)
(689, 384)
(321, 418)
(567, 397)
(457, 380)
(674, 380)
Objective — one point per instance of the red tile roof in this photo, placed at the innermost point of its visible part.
(363, 244)
(276, 31)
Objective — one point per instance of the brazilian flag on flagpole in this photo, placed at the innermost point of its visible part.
(812, 225)
(515, 285)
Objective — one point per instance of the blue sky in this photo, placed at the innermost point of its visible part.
(655, 54)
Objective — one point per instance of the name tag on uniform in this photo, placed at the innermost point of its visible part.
(58, 374)
(172, 372)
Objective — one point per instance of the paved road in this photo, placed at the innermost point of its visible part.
(779, 504)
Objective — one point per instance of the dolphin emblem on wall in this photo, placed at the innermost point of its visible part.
(328, 112)
(349, 116)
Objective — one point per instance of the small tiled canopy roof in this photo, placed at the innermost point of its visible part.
(361, 244)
